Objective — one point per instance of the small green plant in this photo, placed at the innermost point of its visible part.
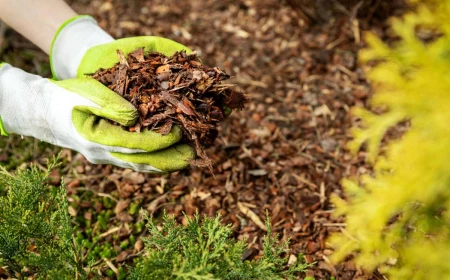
(205, 250)
(37, 239)
(35, 227)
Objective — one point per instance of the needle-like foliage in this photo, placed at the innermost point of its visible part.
(398, 218)
(205, 250)
(35, 226)
(36, 240)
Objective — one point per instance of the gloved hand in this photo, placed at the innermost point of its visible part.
(81, 47)
(72, 114)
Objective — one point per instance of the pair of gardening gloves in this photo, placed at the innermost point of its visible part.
(73, 110)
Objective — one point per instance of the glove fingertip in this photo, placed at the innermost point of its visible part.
(168, 160)
(125, 117)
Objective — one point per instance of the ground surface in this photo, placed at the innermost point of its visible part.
(285, 153)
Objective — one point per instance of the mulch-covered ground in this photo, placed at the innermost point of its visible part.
(284, 154)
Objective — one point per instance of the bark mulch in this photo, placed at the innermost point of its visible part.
(285, 152)
(177, 90)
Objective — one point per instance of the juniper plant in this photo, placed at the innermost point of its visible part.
(36, 240)
(205, 250)
(35, 226)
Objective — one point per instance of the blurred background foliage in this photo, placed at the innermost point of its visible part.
(398, 218)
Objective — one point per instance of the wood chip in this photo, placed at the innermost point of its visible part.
(163, 68)
(250, 214)
(110, 231)
(122, 59)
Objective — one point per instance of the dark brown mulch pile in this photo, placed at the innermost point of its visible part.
(286, 153)
(177, 90)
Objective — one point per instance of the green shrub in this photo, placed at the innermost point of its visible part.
(35, 227)
(399, 219)
(37, 240)
(205, 250)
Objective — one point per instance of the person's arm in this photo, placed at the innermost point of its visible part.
(75, 43)
(37, 20)
(50, 25)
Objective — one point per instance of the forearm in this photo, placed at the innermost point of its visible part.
(37, 20)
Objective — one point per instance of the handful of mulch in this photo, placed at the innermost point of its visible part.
(176, 90)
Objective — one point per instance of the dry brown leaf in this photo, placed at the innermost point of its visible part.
(138, 55)
(124, 217)
(166, 127)
(121, 205)
(123, 256)
(88, 216)
(133, 177)
(292, 259)
(138, 246)
(143, 109)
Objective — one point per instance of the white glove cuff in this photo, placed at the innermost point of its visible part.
(71, 42)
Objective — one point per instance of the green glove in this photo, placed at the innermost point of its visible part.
(105, 56)
(81, 47)
(73, 114)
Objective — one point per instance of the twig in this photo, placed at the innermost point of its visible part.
(132, 256)
(95, 242)
(373, 10)
(112, 266)
(108, 196)
(305, 181)
(334, 44)
(334, 224)
(302, 13)
(111, 231)
(322, 193)
(251, 83)
(341, 7)
(355, 22)
(348, 234)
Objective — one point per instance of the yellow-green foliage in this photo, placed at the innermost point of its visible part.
(398, 219)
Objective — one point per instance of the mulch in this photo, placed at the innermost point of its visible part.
(285, 153)
(176, 90)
